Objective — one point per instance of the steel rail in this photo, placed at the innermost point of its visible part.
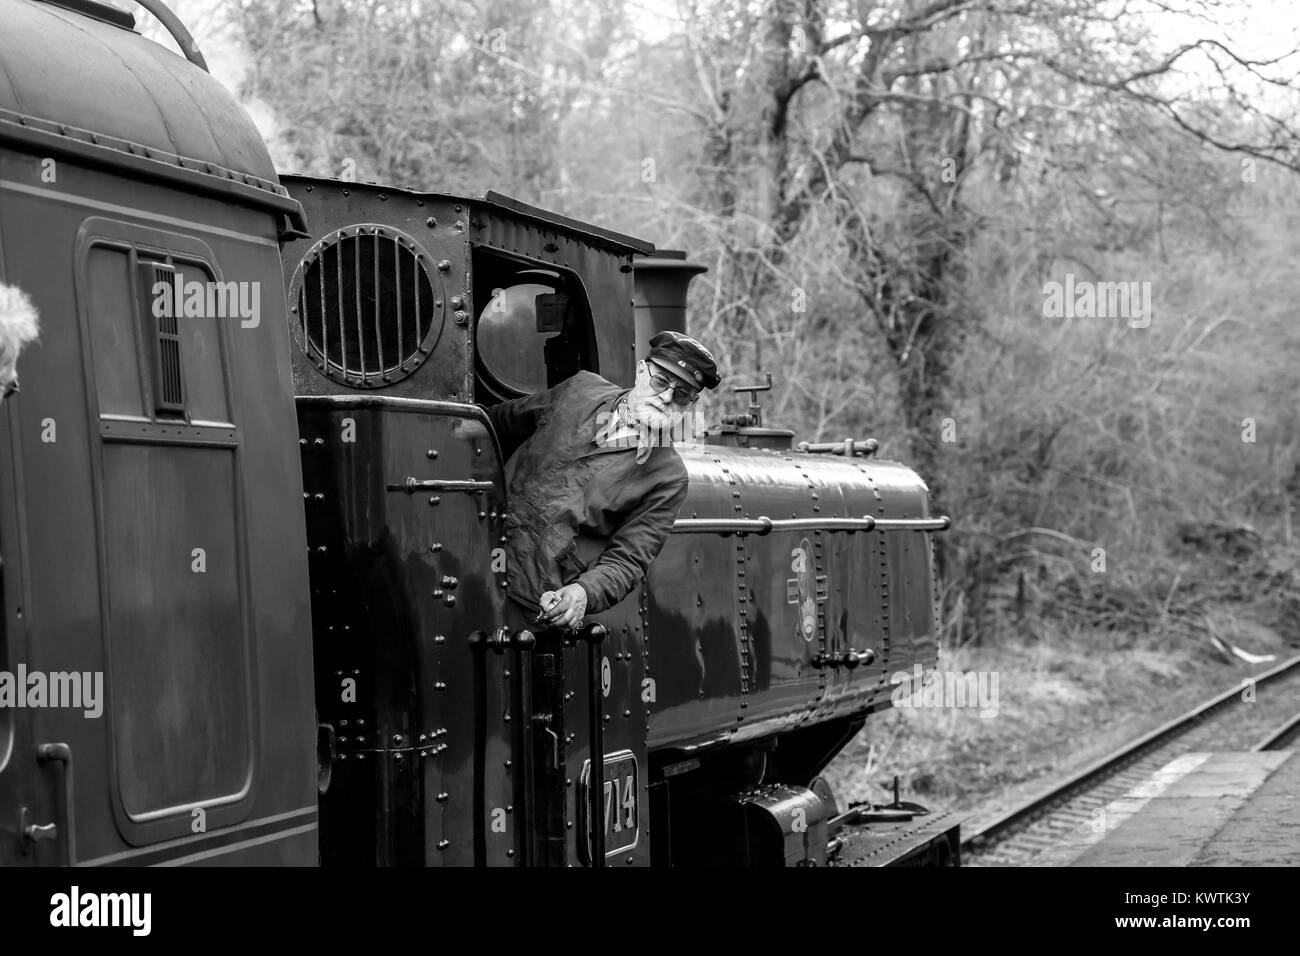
(1002, 827)
(1278, 737)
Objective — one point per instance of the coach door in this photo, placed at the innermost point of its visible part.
(25, 828)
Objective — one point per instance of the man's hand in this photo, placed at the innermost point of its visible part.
(565, 607)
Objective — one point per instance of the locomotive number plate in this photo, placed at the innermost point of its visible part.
(621, 804)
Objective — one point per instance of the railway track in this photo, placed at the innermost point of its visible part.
(1265, 719)
(1282, 737)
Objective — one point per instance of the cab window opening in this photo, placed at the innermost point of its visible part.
(533, 327)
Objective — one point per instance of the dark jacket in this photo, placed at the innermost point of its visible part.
(579, 512)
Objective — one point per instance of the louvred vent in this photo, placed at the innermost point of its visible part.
(161, 320)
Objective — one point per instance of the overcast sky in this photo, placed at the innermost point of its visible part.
(1254, 28)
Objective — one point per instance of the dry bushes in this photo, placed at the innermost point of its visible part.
(1088, 447)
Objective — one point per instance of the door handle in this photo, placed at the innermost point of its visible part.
(61, 753)
(34, 832)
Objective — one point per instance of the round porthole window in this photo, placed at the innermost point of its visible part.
(510, 345)
(366, 305)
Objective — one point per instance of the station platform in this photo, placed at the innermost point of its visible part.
(1202, 809)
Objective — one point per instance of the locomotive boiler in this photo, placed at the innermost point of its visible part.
(287, 530)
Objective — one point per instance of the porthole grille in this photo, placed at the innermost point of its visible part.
(366, 305)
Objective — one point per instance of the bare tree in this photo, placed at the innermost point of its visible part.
(870, 121)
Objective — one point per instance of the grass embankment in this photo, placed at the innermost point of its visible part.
(1069, 693)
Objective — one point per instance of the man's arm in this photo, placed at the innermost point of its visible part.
(633, 546)
(516, 420)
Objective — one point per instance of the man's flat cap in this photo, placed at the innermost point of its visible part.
(686, 358)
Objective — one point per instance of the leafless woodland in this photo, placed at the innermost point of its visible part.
(882, 190)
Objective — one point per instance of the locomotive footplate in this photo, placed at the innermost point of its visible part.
(930, 840)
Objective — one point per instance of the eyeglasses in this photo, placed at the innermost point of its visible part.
(681, 396)
(10, 389)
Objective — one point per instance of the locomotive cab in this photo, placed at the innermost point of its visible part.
(450, 740)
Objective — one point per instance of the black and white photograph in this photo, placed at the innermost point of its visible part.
(617, 434)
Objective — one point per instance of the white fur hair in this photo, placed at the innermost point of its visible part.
(19, 323)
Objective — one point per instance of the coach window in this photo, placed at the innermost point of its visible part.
(150, 362)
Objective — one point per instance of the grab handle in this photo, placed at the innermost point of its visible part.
(62, 753)
(593, 635)
(184, 39)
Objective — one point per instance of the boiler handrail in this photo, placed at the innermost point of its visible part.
(763, 525)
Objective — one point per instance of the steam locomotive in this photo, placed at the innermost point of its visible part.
(250, 481)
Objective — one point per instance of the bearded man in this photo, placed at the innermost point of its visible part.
(18, 327)
(594, 482)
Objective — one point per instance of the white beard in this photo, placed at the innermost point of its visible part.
(656, 420)
(19, 322)
(648, 415)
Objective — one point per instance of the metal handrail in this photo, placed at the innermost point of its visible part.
(468, 485)
(849, 447)
(764, 525)
(184, 39)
